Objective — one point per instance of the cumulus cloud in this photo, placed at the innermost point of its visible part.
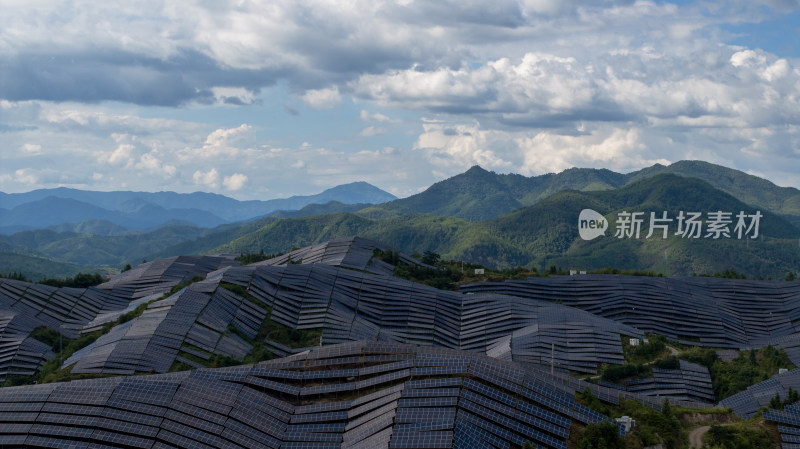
(234, 182)
(208, 179)
(322, 98)
(151, 163)
(26, 176)
(533, 85)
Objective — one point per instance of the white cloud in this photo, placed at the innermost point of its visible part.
(31, 149)
(223, 142)
(510, 85)
(233, 95)
(462, 146)
(151, 163)
(376, 117)
(322, 98)
(26, 176)
(370, 131)
(208, 179)
(122, 154)
(234, 182)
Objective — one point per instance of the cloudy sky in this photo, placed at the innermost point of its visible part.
(265, 99)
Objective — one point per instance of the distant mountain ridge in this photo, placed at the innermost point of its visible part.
(143, 210)
(481, 216)
(546, 233)
(479, 194)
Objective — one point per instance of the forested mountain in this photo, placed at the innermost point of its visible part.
(494, 219)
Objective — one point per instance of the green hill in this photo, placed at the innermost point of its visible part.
(478, 194)
(497, 220)
(99, 250)
(37, 268)
(546, 233)
(748, 188)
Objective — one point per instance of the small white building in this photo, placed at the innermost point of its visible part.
(634, 342)
(627, 422)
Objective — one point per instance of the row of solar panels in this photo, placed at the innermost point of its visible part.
(390, 402)
(710, 312)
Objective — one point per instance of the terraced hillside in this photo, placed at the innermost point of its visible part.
(371, 359)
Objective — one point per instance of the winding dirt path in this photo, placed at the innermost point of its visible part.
(696, 436)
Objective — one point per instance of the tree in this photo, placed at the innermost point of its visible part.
(666, 409)
(602, 435)
(775, 402)
(431, 258)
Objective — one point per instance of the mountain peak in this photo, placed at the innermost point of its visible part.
(476, 169)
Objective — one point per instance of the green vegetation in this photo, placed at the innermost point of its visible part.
(544, 235)
(791, 397)
(609, 270)
(33, 267)
(671, 426)
(618, 373)
(604, 435)
(748, 368)
(447, 274)
(248, 258)
(727, 274)
(652, 426)
(81, 280)
(15, 276)
(738, 436)
(293, 338)
(655, 348)
(670, 362)
(528, 222)
(98, 250)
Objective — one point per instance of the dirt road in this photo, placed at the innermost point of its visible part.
(696, 436)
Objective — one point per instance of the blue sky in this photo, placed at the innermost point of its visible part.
(259, 100)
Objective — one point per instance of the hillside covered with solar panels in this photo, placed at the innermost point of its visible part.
(329, 346)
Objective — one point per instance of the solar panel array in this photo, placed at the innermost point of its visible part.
(200, 321)
(354, 253)
(355, 395)
(746, 403)
(788, 421)
(691, 382)
(20, 354)
(25, 306)
(349, 305)
(711, 312)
